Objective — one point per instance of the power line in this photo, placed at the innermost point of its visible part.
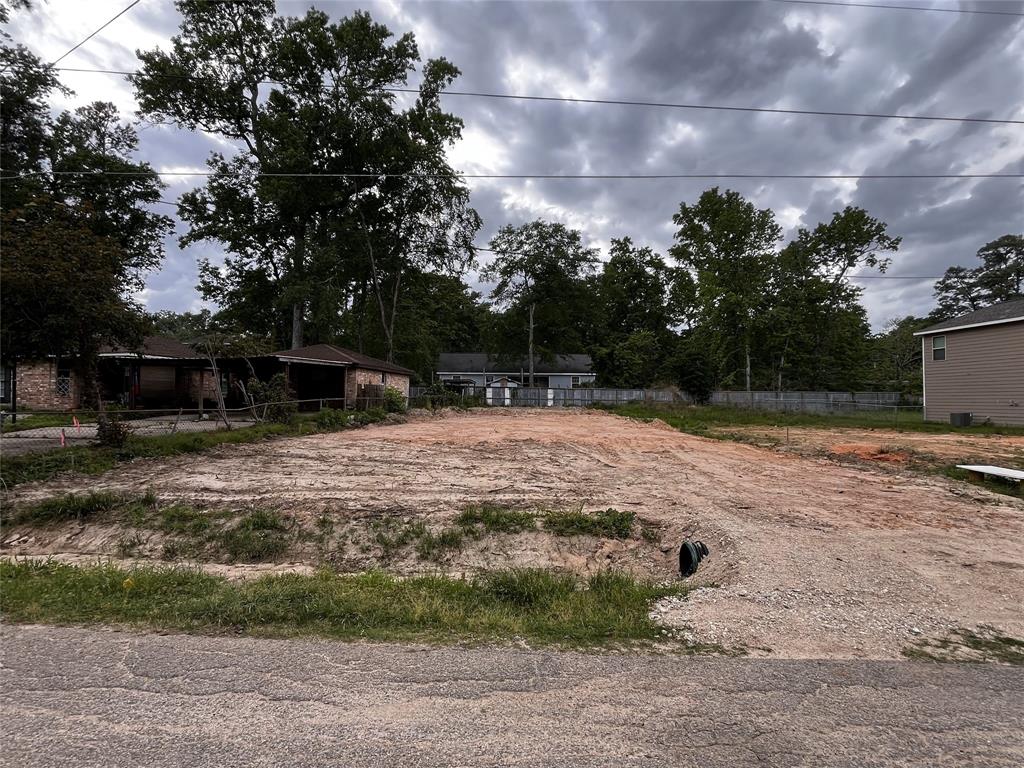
(614, 102)
(550, 176)
(900, 7)
(91, 36)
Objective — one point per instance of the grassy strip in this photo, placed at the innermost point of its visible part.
(703, 420)
(539, 606)
(984, 645)
(993, 484)
(94, 460)
(610, 523)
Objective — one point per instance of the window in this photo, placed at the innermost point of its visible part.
(575, 381)
(383, 378)
(63, 384)
(938, 347)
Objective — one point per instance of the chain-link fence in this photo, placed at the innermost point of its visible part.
(536, 397)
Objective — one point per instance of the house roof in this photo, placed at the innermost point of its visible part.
(329, 354)
(480, 362)
(161, 347)
(1003, 312)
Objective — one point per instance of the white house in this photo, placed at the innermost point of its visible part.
(479, 370)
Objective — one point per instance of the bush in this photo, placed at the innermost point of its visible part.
(437, 395)
(111, 432)
(282, 408)
(394, 400)
(332, 418)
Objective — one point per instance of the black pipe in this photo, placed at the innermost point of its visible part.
(690, 555)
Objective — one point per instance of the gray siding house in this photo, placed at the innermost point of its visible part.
(479, 370)
(975, 364)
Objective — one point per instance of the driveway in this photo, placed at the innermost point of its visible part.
(104, 698)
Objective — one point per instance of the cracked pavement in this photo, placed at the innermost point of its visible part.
(100, 697)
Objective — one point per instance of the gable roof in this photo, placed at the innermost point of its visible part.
(1004, 312)
(480, 362)
(161, 347)
(329, 354)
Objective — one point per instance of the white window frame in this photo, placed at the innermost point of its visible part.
(938, 348)
(575, 381)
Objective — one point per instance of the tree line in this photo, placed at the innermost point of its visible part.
(341, 220)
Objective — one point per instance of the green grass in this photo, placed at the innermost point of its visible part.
(94, 460)
(495, 519)
(984, 645)
(259, 536)
(434, 546)
(68, 507)
(538, 606)
(706, 419)
(610, 523)
(29, 420)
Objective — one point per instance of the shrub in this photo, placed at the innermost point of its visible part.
(332, 418)
(394, 400)
(278, 394)
(111, 432)
(437, 395)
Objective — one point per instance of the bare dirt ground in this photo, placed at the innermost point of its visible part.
(811, 558)
(887, 445)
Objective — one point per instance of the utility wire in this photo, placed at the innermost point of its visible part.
(90, 37)
(612, 102)
(900, 7)
(549, 176)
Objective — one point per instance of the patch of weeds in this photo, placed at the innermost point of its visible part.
(260, 535)
(495, 519)
(128, 545)
(184, 521)
(392, 535)
(610, 523)
(986, 644)
(434, 546)
(649, 533)
(68, 507)
(541, 607)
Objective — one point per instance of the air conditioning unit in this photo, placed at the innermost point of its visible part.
(960, 419)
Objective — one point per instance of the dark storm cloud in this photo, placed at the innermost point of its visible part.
(737, 53)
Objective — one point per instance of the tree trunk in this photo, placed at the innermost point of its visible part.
(297, 325)
(532, 307)
(298, 267)
(746, 349)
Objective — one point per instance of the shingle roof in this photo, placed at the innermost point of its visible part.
(154, 346)
(329, 353)
(1003, 312)
(480, 362)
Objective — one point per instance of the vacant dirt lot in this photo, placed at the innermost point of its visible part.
(811, 558)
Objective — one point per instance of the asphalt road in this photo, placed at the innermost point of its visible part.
(76, 697)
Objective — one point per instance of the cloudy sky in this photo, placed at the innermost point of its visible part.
(765, 54)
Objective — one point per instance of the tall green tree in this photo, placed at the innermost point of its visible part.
(540, 265)
(999, 277)
(817, 333)
(307, 96)
(727, 245)
(633, 294)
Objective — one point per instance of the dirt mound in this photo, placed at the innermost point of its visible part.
(869, 452)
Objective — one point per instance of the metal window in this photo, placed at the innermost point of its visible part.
(938, 347)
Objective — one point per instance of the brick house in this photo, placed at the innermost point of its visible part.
(162, 373)
(340, 377)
